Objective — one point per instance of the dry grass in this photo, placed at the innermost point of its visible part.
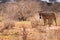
(58, 18)
(26, 24)
(12, 29)
(31, 33)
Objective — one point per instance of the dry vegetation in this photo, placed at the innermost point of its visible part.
(20, 21)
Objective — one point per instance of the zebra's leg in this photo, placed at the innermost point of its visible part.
(55, 21)
(50, 22)
(44, 22)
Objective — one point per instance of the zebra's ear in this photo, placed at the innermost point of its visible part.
(39, 11)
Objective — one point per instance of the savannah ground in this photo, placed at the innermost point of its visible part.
(13, 29)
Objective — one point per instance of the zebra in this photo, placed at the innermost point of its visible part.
(48, 16)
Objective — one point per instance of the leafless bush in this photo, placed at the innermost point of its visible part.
(21, 9)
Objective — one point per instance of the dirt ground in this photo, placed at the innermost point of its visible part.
(25, 30)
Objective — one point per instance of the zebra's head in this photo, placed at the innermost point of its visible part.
(40, 14)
